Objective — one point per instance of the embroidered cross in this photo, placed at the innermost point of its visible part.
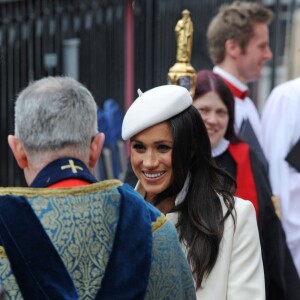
(71, 166)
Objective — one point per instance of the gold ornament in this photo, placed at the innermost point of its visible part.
(182, 73)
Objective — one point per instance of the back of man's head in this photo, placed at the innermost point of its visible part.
(55, 114)
(234, 21)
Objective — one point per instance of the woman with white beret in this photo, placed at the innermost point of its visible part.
(171, 157)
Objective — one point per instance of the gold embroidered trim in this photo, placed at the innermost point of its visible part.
(2, 252)
(160, 222)
(275, 200)
(61, 192)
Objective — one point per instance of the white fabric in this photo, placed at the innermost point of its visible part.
(244, 109)
(240, 85)
(281, 130)
(179, 198)
(220, 148)
(155, 106)
(182, 194)
(238, 272)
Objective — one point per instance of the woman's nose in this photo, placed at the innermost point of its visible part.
(211, 117)
(150, 160)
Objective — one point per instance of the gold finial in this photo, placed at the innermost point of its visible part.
(182, 73)
(184, 35)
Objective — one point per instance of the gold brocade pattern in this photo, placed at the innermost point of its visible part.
(61, 192)
(161, 221)
(2, 252)
(81, 222)
(170, 275)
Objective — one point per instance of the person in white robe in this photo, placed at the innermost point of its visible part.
(281, 132)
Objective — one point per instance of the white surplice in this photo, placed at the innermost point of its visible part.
(281, 130)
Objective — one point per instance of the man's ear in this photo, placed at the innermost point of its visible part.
(232, 48)
(96, 148)
(18, 151)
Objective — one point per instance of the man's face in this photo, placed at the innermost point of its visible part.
(257, 52)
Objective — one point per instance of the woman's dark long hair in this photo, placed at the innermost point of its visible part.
(200, 216)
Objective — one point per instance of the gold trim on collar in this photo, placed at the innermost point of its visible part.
(2, 252)
(61, 192)
(160, 222)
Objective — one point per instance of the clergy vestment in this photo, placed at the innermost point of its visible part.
(244, 108)
(281, 132)
(94, 241)
(281, 278)
(247, 124)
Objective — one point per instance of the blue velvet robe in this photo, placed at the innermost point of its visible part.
(100, 241)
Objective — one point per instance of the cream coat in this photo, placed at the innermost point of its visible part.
(238, 273)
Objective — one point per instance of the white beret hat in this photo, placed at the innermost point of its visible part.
(155, 106)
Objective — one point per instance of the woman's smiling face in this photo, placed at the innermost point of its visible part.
(214, 114)
(151, 158)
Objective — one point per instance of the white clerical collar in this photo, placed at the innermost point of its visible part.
(240, 85)
(220, 148)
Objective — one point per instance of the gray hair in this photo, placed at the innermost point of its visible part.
(55, 113)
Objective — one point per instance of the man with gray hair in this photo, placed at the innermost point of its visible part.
(68, 236)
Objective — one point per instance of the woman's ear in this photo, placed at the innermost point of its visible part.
(96, 148)
(18, 151)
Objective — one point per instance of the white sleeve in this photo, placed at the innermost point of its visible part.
(246, 274)
(281, 130)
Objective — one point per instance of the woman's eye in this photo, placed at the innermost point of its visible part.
(222, 113)
(138, 147)
(164, 147)
(203, 110)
